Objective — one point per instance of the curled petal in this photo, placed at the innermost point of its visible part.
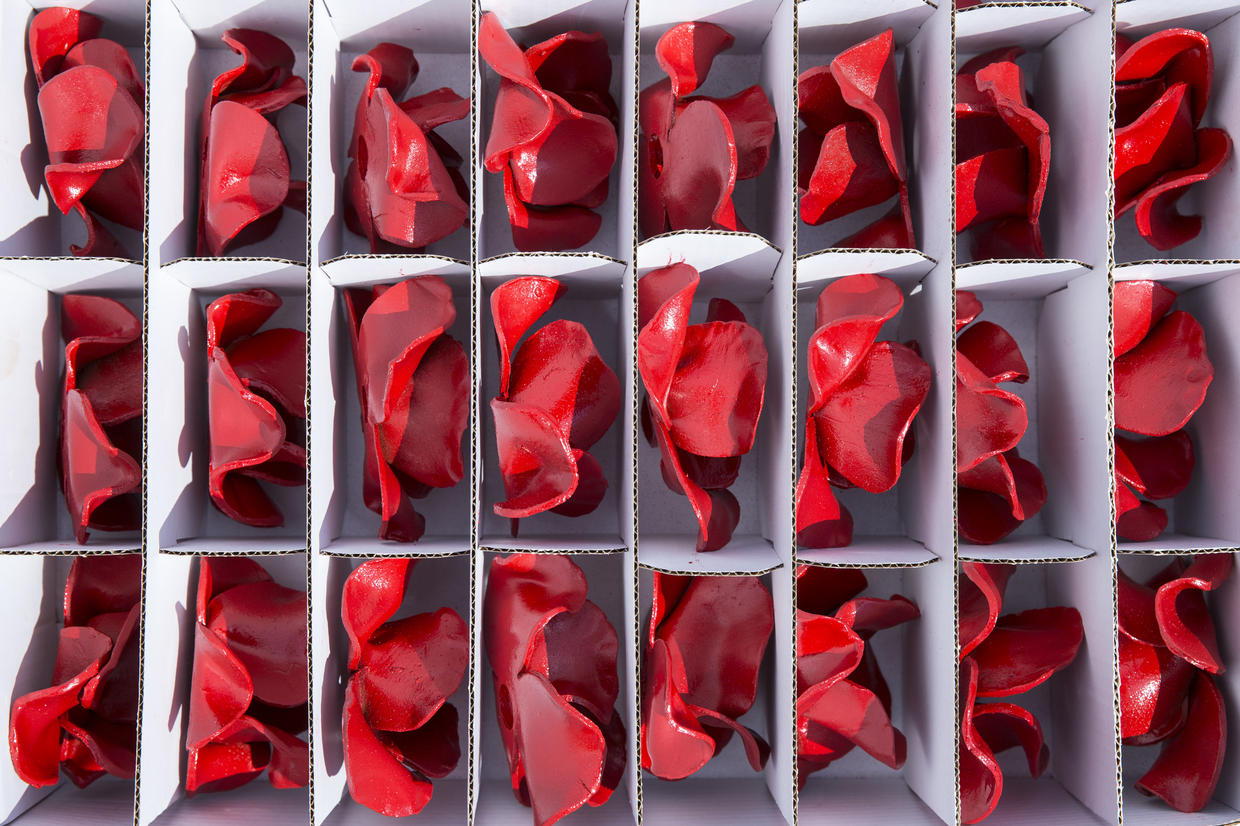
(990, 420)
(535, 459)
(967, 309)
(377, 780)
(866, 74)
(246, 173)
(826, 648)
(854, 713)
(422, 438)
(993, 351)
(219, 767)
(111, 57)
(410, 667)
(674, 745)
(866, 615)
(53, 33)
(752, 118)
(686, 51)
(822, 522)
(239, 314)
(433, 749)
(991, 186)
(515, 306)
(664, 301)
(556, 228)
(1190, 762)
(524, 591)
(849, 314)
(981, 780)
(981, 598)
(715, 399)
(371, 595)
(1174, 54)
(101, 585)
(1153, 690)
(998, 494)
(264, 626)
(823, 590)
(717, 511)
(1025, 649)
(1157, 218)
(700, 169)
(273, 362)
(1183, 617)
(1159, 467)
(112, 746)
(577, 653)
(1142, 523)
(1006, 726)
(757, 750)
(1161, 382)
(572, 61)
(1136, 307)
(219, 574)
(850, 174)
(95, 470)
(1159, 140)
(220, 689)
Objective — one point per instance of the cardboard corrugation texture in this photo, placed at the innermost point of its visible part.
(943, 270)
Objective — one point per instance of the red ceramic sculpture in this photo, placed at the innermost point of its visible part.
(403, 188)
(705, 643)
(399, 729)
(92, 104)
(249, 690)
(557, 398)
(101, 415)
(1162, 372)
(1000, 657)
(1168, 656)
(85, 723)
(1162, 89)
(553, 134)
(694, 148)
(864, 394)
(256, 406)
(1003, 158)
(246, 178)
(851, 152)
(705, 385)
(842, 699)
(553, 661)
(413, 386)
(996, 489)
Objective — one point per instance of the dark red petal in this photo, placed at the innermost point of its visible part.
(34, 726)
(264, 625)
(548, 228)
(820, 104)
(981, 597)
(566, 161)
(590, 490)
(826, 648)
(1142, 523)
(220, 689)
(1189, 764)
(1136, 307)
(410, 667)
(266, 62)
(433, 109)
(434, 749)
(101, 585)
(757, 750)
(1161, 382)
(991, 186)
(1183, 617)
(53, 32)
(523, 593)
(113, 692)
(577, 652)
(94, 469)
(983, 518)
(220, 767)
(1003, 82)
(246, 176)
(849, 313)
(1007, 726)
(1174, 54)
(716, 396)
(572, 61)
(390, 66)
(752, 118)
(1136, 611)
(866, 74)
(1160, 139)
(866, 615)
(850, 174)
(274, 363)
(981, 780)
(559, 370)
(990, 420)
(655, 110)
(377, 780)
(721, 627)
(823, 590)
(113, 385)
(112, 746)
(111, 57)
(700, 169)
(1153, 687)
(1025, 649)
(1160, 467)
(664, 301)
(674, 745)
(522, 107)
(1157, 218)
(967, 308)
(515, 306)
(371, 595)
(290, 756)
(822, 522)
(221, 573)
(245, 431)
(235, 315)
(993, 351)
(865, 421)
(686, 51)
(535, 459)
(853, 712)
(426, 446)
(893, 231)
(717, 511)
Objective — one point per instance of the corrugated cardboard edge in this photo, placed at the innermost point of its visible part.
(953, 260)
(796, 405)
(309, 261)
(475, 554)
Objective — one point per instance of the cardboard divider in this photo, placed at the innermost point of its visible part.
(341, 522)
(187, 53)
(167, 663)
(438, 33)
(593, 297)
(33, 515)
(32, 587)
(433, 584)
(1213, 199)
(180, 515)
(726, 789)
(30, 222)
(1061, 330)
(530, 22)
(612, 591)
(1225, 806)
(762, 54)
(916, 662)
(889, 527)
(1067, 70)
(1204, 515)
(1076, 706)
(823, 32)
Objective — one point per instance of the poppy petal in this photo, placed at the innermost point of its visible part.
(1161, 383)
(377, 780)
(981, 598)
(1025, 649)
(990, 420)
(700, 169)
(1190, 762)
(674, 744)
(264, 626)
(409, 668)
(686, 51)
(1006, 726)
(1137, 307)
(1183, 617)
(856, 714)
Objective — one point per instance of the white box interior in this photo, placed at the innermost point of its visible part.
(167, 663)
(30, 223)
(432, 584)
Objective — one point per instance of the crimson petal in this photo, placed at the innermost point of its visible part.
(826, 648)
(1157, 218)
(246, 173)
(993, 351)
(524, 591)
(1161, 383)
(853, 712)
(1137, 307)
(577, 652)
(220, 689)
(427, 447)
(822, 522)
(95, 469)
(101, 584)
(1006, 726)
(433, 749)
(716, 397)
(1025, 649)
(1183, 617)
(372, 593)
(700, 169)
(1159, 467)
(674, 744)
(377, 780)
(515, 306)
(409, 668)
(53, 33)
(1153, 688)
(990, 420)
(1189, 764)
(686, 51)
(981, 779)
(263, 625)
(981, 597)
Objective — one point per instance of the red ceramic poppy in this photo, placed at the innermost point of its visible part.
(557, 398)
(249, 689)
(246, 179)
(695, 148)
(1162, 89)
(413, 386)
(707, 637)
(843, 701)
(256, 406)
(553, 134)
(553, 661)
(401, 191)
(1168, 652)
(398, 728)
(997, 490)
(86, 722)
(705, 385)
(852, 147)
(100, 419)
(864, 395)
(1003, 154)
(91, 101)
(1002, 656)
(1162, 373)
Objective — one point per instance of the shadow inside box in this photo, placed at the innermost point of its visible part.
(498, 807)
(447, 807)
(709, 800)
(853, 800)
(109, 801)
(1026, 800)
(255, 802)
(1141, 810)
